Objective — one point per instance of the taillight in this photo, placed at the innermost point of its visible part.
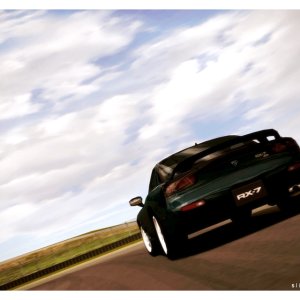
(279, 147)
(192, 205)
(286, 144)
(180, 184)
(294, 167)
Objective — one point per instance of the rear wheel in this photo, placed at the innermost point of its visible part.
(151, 246)
(160, 236)
(287, 206)
(171, 245)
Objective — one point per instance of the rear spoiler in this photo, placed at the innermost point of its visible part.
(261, 136)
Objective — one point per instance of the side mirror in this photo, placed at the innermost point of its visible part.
(136, 201)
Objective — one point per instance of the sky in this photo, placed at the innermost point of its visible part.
(91, 100)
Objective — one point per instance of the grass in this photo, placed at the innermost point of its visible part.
(38, 260)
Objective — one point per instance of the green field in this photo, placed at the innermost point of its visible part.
(38, 260)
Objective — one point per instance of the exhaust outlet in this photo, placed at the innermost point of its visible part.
(294, 189)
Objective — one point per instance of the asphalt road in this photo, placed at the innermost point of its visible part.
(264, 256)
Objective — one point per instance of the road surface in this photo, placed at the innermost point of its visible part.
(264, 256)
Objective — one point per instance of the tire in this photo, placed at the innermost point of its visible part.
(171, 246)
(287, 206)
(151, 246)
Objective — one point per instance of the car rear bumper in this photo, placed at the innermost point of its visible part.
(277, 186)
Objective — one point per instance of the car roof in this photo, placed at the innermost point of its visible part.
(172, 160)
(167, 165)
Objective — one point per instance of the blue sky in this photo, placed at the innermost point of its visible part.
(91, 100)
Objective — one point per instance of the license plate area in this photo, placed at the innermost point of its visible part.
(249, 192)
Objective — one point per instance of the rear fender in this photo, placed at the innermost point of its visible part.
(155, 205)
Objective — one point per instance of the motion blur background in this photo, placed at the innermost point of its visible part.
(91, 100)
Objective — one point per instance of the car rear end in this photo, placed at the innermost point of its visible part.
(242, 175)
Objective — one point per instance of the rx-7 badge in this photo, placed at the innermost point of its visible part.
(249, 193)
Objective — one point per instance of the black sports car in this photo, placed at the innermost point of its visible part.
(223, 178)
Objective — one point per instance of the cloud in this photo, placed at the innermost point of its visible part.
(237, 65)
(56, 55)
(67, 146)
(17, 106)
